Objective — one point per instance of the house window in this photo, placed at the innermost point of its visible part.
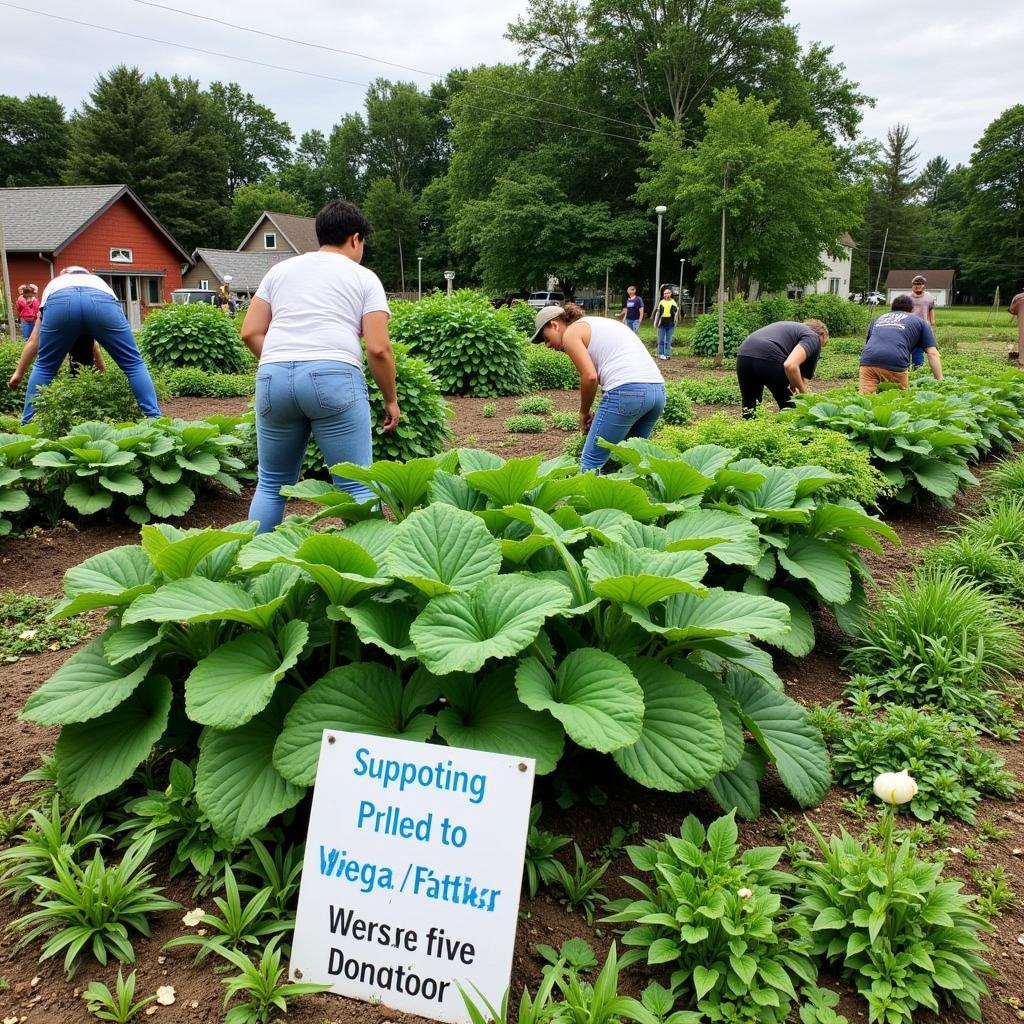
(204, 285)
(833, 285)
(153, 295)
(270, 240)
(121, 256)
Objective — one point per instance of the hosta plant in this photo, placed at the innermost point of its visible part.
(716, 918)
(545, 607)
(907, 939)
(195, 335)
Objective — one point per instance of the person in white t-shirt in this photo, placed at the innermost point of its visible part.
(304, 325)
(606, 353)
(78, 304)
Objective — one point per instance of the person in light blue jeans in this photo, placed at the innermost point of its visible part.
(632, 410)
(74, 304)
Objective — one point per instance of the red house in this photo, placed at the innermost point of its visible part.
(104, 228)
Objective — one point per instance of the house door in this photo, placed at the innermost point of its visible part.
(133, 307)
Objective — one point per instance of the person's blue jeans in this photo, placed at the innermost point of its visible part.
(72, 312)
(665, 332)
(26, 329)
(321, 396)
(631, 410)
(634, 326)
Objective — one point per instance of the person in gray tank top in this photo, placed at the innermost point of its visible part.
(607, 354)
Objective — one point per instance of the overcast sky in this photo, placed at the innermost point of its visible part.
(947, 68)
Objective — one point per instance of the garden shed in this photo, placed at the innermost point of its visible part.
(939, 284)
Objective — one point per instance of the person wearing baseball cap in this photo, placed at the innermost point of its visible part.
(924, 307)
(608, 354)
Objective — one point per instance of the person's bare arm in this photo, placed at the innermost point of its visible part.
(256, 324)
(640, 319)
(792, 365)
(934, 361)
(931, 315)
(97, 357)
(380, 358)
(28, 355)
(574, 346)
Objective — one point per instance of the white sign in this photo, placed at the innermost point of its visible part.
(414, 862)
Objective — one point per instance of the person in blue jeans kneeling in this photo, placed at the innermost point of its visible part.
(607, 354)
(74, 304)
(304, 325)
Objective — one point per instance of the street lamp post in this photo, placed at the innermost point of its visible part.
(449, 276)
(660, 211)
(682, 264)
(419, 277)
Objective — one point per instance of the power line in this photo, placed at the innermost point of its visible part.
(380, 60)
(298, 71)
(935, 256)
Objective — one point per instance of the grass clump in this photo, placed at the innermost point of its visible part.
(84, 397)
(1008, 477)
(565, 421)
(488, 410)
(536, 404)
(678, 407)
(525, 425)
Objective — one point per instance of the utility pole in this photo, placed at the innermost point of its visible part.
(8, 298)
(401, 263)
(606, 272)
(721, 282)
(881, 258)
(660, 211)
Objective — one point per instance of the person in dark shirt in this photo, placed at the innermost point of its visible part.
(633, 311)
(781, 357)
(892, 342)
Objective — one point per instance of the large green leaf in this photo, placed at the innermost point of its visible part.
(641, 576)
(722, 613)
(374, 536)
(496, 619)
(487, 715)
(168, 501)
(178, 558)
(936, 477)
(821, 564)
(678, 479)
(441, 549)
(341, 568)
(593, 694)
(235, 683)
(507, 484)
(98, 756)
(197, 599)
(384, 625)
(739, 790)
(728, 711)
(780, 726)
(729, 537)
(595, 492)
(113, 578)
(130, 641)
(798, 640)
(237, 785)
(82, 498)
(682, 742)
(839, 518)
(272, 547)
(85, 687)
(401, 485)
(365, 698)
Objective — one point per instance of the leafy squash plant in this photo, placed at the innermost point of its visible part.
(546, 608)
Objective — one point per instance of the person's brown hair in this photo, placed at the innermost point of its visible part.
(572, 313)
(819, 327)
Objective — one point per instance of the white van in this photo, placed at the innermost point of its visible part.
(541, 299)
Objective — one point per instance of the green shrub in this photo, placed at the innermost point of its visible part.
(1002, 525)
(720, 390)
(565, 420)
(87, 395)
(522, 316)
(192, 383)
(941, 753)
(705, 333)
(941, 641)
(988, 564)
(10, 401)
(537, 404)
(548, 370)
(525, 425)
(678, 408)
(196, 335)
(1008, 476)
(767, 437)
(716, 917)
(470, 348)
(839, 315)
(574, 443)
(488, 410)
(773, 308)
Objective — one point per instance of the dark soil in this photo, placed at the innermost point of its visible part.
(39, 993)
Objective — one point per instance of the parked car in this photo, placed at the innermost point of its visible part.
(875, 298)
(184, 296)
(541, 299)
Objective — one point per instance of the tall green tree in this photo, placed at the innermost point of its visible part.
(249, 201)
(194, 121)
(123, 135)
(402, 127)
(33, 140)
(258, 144)
(993, 218)
(392, 248)
(784, 198)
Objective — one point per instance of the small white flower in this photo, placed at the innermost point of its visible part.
(895, 787)
(745, 894)
(193, 917)
(165, 995)
(27, 634)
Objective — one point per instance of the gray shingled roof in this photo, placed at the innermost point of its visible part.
(247, 269)
(935, 278)
(43, 219)
(300, 231)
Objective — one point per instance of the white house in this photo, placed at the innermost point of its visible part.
(939, 283)
(835, 279)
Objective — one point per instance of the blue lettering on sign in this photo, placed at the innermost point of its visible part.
(443, 776)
